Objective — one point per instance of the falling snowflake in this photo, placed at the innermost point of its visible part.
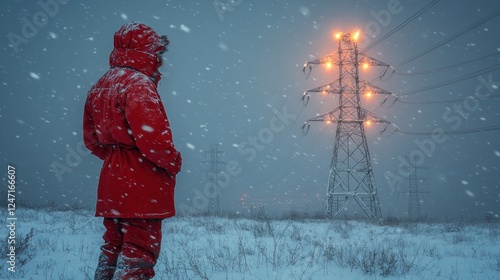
(35, 76)
(185, 28)
(304, 11)
(223, 46)
(147, 128)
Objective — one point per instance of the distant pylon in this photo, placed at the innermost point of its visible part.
(351, 175)
(212, 176)
(414, 195)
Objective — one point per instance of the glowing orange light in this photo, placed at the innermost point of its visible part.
(328, 65)
(366, 65)
(368, 123)
(356, 36)
(324, 92)
(338, 35)
(369, 94)
(328, 121)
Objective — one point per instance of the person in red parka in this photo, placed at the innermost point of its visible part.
(125, 124)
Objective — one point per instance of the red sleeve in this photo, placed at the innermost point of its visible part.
(90, 133)
(150, 128)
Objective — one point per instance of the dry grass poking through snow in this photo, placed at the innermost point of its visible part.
(65, 245)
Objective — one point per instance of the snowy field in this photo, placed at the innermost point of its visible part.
(65, 245)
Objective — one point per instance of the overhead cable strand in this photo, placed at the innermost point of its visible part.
(403, 24)
(456, 80)
(440, 69)
(452, 132)
(442, 101)
(452, 37)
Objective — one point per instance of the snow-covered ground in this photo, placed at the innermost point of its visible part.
(65, 245)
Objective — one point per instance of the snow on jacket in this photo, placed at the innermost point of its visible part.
(125, 124)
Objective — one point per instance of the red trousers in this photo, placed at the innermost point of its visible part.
(131, 248)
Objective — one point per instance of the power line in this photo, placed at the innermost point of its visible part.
(452, 132)
(452, 37)
(455, 80)
(444, 68)
(401, 25)
(440, 101)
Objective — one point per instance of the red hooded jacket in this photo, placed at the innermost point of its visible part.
(125, 124)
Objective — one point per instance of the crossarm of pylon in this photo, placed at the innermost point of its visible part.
(331, 88)
(328, 117)
(330, 58)
(331, 117)
(369, 87)
(328, 88)
(369, 116)
(371, 61)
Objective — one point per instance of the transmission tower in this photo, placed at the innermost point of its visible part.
(351, 175)
(212, 176)
(414, 195)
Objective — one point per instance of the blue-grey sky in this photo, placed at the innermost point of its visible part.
(233, 76)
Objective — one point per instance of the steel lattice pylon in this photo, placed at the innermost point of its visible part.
(351, 175)
(414, 211)
(212, 175)
(414, 195)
